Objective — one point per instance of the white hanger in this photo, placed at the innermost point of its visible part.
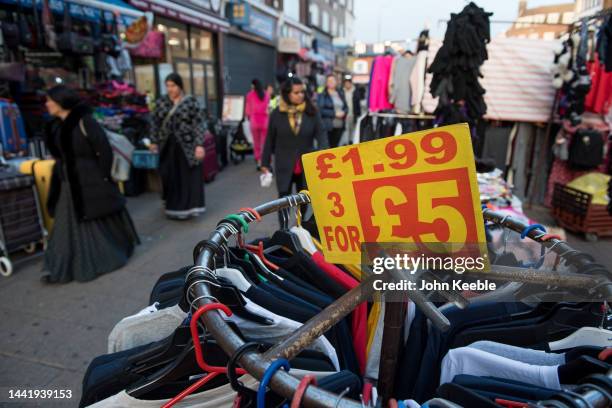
(235, 277)
(305, 239)
(585, 336)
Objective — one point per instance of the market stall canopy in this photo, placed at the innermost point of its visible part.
(85, 9)
(517, 78)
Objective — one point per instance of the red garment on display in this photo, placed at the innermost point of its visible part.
(359, 315)
(599, 98)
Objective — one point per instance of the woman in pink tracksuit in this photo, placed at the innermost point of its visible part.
(256, 111)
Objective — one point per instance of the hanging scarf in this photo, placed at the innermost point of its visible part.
(294, 112)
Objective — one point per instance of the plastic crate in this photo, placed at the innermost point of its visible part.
(144, 159)
(574, 210)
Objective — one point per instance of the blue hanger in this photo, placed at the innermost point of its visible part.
(530, 228)
(270, 371)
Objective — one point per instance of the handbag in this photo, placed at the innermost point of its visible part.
(152, 46)
(109, 41)
(71, 42)
(10, 32)
(26, 37)
(47, 21)
(12, 71)
(122, 153)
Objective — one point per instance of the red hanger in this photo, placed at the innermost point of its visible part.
(510, 404)
(301, 390)
(212, 371)
(256, 249)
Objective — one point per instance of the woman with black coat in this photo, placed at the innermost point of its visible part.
(333, 107)
(93, 233)
(292, 131)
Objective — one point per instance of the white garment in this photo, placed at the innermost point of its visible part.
(466, 360)
(524, 355)
(356, 133)
(417, 80)
(136, 331)
(220, 397)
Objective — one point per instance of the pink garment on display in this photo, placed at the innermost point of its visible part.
(359, 316)
(379, 83)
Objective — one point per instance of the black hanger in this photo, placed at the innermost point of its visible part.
(283, 239)
(181, 368)
(231, 297)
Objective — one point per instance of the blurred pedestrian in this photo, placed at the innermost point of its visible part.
(333, 107)
(293, 129)
(93, 233)
(351, 96)
(178, 136)
(273, 104)
(256, 111)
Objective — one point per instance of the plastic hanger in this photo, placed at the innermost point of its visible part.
(302, 233)
(585, 336)
(235, 276)
(212, 371)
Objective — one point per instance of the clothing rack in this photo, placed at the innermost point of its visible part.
(199, 295)
(401, 115)
(589, 396)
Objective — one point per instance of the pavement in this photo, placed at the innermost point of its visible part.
(49, 334)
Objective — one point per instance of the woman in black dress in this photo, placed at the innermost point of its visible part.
(93, 233)
(178, 135)
(293, 129)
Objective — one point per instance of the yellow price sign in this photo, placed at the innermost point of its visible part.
(419, 187)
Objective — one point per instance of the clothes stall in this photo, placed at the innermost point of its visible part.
(308, 333)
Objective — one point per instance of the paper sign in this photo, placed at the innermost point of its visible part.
(419, 187)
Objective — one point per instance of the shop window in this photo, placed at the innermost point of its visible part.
(184, 70)
(145, 79)
(325, 21)
(177, 43)
(292, 9)
(201, 44)
(334, 27)
(164, 70)
(314, 14)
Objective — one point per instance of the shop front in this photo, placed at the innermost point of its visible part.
(249, 47)
(293, 40)
(191, 48)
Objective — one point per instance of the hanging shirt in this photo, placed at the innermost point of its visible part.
(379, 83)
(400, 95)
(466, 360)
(144, 329)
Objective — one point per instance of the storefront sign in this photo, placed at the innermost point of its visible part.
(177, 10)
(79, 11)
(419, 187)
(261, 24)
(288, 45)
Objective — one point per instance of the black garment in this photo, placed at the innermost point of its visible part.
(464, 396)
(287, 147)
(335, 134)
(87, 161)
(279, 306)
(299, 182)
(84, 250)
(325, 103)
(492, 387)
(304, 267)
(183, 185)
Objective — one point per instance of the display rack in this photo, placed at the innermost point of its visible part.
(200, 276)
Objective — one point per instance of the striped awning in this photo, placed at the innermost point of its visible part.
(517, 78)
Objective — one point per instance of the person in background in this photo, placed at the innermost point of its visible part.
(178, 136)
(294, 128)
(93, 233)
(273, 104)
(256, 111)
(333, 107)
(354, 108)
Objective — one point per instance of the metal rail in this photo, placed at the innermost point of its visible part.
(283, 383)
